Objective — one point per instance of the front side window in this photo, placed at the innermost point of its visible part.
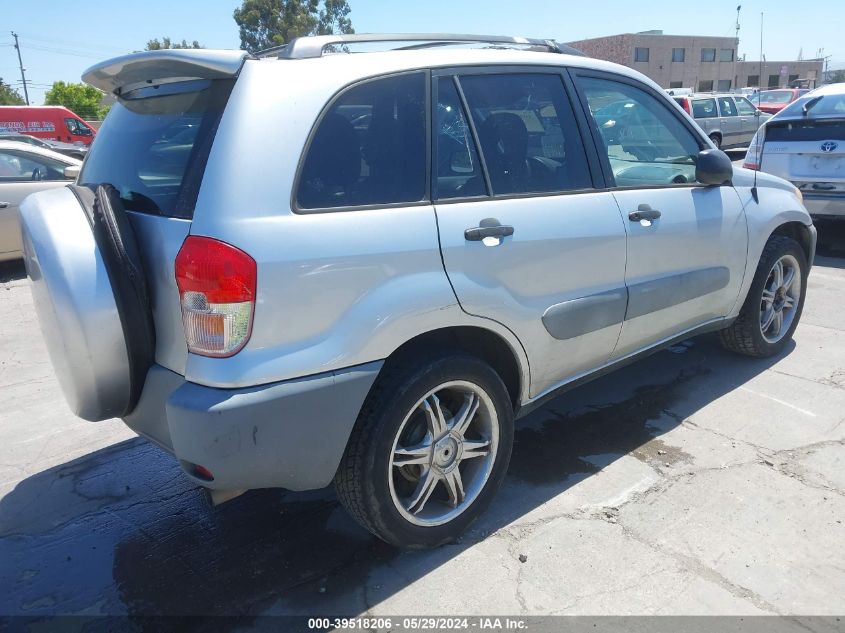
(679, 54)
(77, 128)
(745, 107)
(369, 148)
(458, 167)
(708, 54)
(653, 147)
(726, 106)
(23, 167)
(527, 132)
(640, 54)
(704, 109)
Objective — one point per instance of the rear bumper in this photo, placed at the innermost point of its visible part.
(825, 205)
(288, 434)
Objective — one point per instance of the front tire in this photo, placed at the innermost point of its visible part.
(429, 450)
(774, 303)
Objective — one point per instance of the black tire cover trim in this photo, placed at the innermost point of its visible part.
(122, 258)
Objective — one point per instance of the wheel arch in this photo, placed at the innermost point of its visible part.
(799, 232)
(477, 341)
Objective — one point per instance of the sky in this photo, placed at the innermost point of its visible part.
(60, 40)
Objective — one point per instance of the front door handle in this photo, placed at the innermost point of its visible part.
(644, 212)
(3, 205)
(490, 227)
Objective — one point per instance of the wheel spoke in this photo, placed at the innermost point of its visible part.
(768, 296)
(788, 302)
(434, 416)
(475, 448)
(426, 485)
(767, 318)
(454, 486)
(778, 274)
(789, 278)
(419, 454)
(778, 323)
(462, 420)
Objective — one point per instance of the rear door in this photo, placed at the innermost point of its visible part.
(526, 239)
(22, 173)
(706, 114)
(729, 121)
(686, 242)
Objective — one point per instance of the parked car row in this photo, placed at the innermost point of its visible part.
(73, 150)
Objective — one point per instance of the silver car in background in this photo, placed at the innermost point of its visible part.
(730, 120)
(805, 144)
(26, 169)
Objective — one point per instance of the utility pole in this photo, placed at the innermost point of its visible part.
(760, 82)
(20, 63)
(736, 53)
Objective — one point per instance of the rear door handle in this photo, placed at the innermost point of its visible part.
(478, 233)
(3, 205)
(643, 212)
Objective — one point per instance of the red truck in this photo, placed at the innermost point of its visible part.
(47, 122)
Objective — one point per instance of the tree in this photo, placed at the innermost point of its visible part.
(267, 23)
(9, 96)
(156, 45)
(79, 98)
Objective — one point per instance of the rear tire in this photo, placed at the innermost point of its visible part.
(717, 140)
(429, 450)
(773, 307)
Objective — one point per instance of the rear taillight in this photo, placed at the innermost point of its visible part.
(217, 292)
(685, 105)
(755, 148)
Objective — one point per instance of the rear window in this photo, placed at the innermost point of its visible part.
(153, 146)
(828, 106)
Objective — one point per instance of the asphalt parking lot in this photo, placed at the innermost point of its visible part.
(692, 482)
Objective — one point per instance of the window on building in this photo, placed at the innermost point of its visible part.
(724, 85)
(676, 84)
(640, 54)
(726, 55)
(753, 81)
(792, 78)
(705, 85)
(708, 54)
(774, 81)
(678, 55)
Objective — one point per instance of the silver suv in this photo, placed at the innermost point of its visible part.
(730, 120)
(312, 266)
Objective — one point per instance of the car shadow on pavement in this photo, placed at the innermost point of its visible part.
(120, 531)
(12, 271)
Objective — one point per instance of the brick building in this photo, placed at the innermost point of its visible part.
(696, 61)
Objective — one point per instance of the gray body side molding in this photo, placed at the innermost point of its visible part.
(580, 316)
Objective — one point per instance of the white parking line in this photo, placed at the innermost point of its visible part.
(786, 404)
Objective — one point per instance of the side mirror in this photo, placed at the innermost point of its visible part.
(713, 167)
(71, 172)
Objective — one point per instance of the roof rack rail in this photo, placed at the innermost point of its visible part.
(314, 46)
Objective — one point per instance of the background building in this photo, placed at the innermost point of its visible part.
(699, 62)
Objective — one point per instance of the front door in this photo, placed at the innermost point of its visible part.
(526, 240)
(686, 242)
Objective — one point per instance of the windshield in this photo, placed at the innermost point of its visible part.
(153, 146)
(826, 106)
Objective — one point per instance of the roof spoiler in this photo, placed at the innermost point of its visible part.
(128, 72)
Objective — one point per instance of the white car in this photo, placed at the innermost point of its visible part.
(25, 169)
(805, 144)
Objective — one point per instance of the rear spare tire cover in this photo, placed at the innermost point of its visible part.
(91, 297)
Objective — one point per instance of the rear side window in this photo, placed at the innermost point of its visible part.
(458, 167)
(527, 133)
(153, 146)
(369, 147)
(704, 108)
